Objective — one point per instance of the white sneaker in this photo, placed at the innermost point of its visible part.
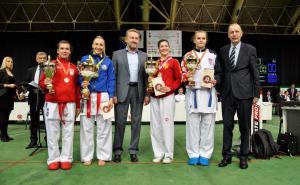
(167, 160)
(157, 159)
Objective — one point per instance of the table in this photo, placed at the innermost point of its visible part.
(21, 110)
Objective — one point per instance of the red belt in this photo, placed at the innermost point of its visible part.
(61, 108)
(88, 105)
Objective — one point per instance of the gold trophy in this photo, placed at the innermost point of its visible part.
(49, 69)
(151, 68)
(88, 70)
(191, 64)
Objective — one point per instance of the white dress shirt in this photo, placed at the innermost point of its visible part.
(133, 63)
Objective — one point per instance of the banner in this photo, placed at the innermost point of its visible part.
(174, 38)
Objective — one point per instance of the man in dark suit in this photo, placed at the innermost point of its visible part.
(130, 90)
(292, 92)
(35, 98)
(280, 98)
(237, 77)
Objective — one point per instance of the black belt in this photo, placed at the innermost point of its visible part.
(133, 84)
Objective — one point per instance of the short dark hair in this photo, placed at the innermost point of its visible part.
(162, 40)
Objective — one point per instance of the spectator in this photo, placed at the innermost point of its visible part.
(292, 92)
(286, 96)
(268, 97)
(7, 93)
(180, 97)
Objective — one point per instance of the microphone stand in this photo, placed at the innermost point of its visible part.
(38, 110)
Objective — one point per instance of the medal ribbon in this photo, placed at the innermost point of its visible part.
(64, 69)
(99, 63)
(200, 59)
(160, 66)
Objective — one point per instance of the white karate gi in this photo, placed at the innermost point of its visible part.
(103, 132)
(201, 105)
(52, 121)
(162, 112)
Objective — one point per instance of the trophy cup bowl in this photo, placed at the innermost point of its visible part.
(49, 69)
(151, 68)
(88, 70)
(87, 76)
(191, 64)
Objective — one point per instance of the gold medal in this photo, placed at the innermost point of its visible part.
(66, 71)
(67, 80)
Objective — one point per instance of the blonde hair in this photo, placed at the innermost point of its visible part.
(100, 37)
(4, 61)
(199, 31)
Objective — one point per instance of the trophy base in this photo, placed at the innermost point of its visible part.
(192, 83)
(86, 98)
(49, 87)
(85, 94)
(150, 89)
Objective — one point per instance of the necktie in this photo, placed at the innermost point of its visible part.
(232, 57)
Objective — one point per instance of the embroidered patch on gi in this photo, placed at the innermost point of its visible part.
(210, 60)
(166, 66)
(71, 72)
(104, 67)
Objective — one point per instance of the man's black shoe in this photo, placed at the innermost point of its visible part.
(225, 161)
(133, 158)
(117, 158)
(243, 164)
(5, 139)
(31, 145)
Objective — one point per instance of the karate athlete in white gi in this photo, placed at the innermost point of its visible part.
(102, 90)
(61, 105)
(201, 104)
(162, 107)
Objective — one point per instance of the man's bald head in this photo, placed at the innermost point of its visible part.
(235, 33)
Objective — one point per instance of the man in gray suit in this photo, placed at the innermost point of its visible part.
(131, 80)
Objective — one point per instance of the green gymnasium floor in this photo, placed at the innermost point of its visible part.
(16, 167)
